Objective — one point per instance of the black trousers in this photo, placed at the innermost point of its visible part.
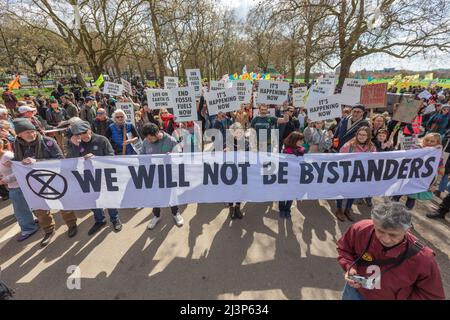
(157, 211)
(444, 207)
(4, 191)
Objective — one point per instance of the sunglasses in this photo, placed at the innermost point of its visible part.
(119, 117)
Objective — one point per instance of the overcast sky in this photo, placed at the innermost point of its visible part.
(373, 62)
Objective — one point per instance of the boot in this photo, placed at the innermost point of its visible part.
(340, 215)
(232, 213)
(348, 214)
(436, 215)
(237, 212)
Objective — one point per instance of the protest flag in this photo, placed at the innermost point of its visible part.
(99, 81)
(14, 84)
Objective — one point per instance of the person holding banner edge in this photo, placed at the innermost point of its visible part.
(84, 143)
(29, 147)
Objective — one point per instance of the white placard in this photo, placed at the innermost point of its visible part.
(244, 90)
(351, 91)
(112, 89)
(328, 83)
(194, 79)
(216, 85)
(128, 108)
(316, 93)
(298, 96)
(158, 98)
(126, 86)
(182, 100)
(170, 82)
(272, 92)
(225, 100)
(425, 95)
(326, 108)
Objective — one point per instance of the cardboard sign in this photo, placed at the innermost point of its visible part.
(244, 90)
(112, 89)
(182, 100)
(315, 94)
(326, 108)
(225, 100)
(374, 95)
(170, 82)
(407, 110)
(158, 98)
(298, 96)
(351, 91)
(425, 95)
(195, 81)
(126, 86)
(128, 108)
(272, 92)
(328, 83)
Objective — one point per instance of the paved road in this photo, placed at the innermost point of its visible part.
(210, 257)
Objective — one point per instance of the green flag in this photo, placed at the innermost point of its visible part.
(99, 81)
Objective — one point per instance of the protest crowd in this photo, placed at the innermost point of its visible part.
(83, 122)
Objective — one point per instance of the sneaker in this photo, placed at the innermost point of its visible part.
(73, 230)
(238, 213)
(117, 225)
(47, 238)
(23, 237)
(178, 219)
(96, 227)
(435, 215)
(232, 212)
(153, 222)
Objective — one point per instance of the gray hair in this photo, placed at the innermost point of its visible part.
(236, 126)
(392, 215)
(115, 113)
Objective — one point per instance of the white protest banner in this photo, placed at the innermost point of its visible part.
(326, 108)
(244, 90)
(158, 98)
(126, 86)
(128, 108)
(195, 80)
(298, 96)
(182, 100)
(149, 181)
(425, 95)
(170, 82)
(112, 89)
(272, 92)
(351, 91)
(408, 109)
(225, 100)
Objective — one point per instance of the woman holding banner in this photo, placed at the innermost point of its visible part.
(362, 142)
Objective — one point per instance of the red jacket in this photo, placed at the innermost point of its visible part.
(417, 278)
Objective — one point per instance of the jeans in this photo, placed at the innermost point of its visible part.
(443, 185)
(350, 293)
(99, 215)
(22, 212)
(348, 205)
(285, 205)
(157, 211)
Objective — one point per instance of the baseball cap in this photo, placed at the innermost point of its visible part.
(23, 109)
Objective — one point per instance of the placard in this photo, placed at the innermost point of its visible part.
(170, 82)
(351, 91)
(128, 108)
(244, 90)
(158, 98)
(298, 96)
(225, 100)
(374, 95)
(112, 89)
(126, 86)
(182, 100)
(326, 108)
(194, 80)
(407, 110)
(272, 92)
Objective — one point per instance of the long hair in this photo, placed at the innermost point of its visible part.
(354, 142)
(292, 138)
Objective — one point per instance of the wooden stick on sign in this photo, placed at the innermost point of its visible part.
(124, 146)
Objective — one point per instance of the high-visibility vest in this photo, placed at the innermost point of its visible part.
(416, 124)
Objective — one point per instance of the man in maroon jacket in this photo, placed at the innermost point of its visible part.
(383, 260)
(10, 100)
